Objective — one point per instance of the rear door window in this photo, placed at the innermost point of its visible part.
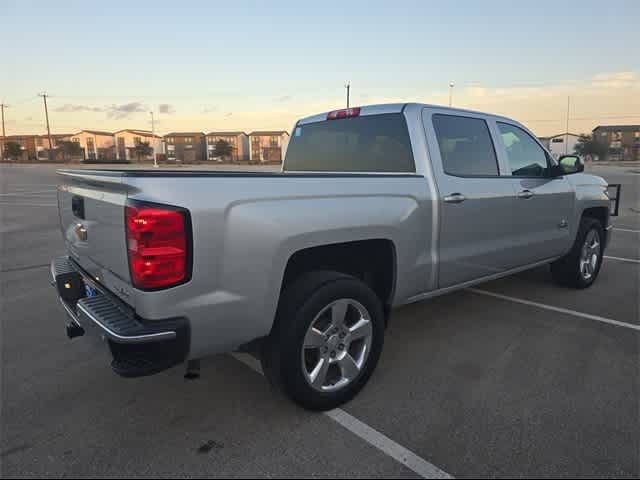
(465, 145)
(370, 143)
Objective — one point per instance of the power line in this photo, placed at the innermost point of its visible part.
(25, 100)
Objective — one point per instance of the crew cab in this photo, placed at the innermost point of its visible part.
(375, 207)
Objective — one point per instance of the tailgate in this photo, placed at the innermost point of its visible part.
(92, 218)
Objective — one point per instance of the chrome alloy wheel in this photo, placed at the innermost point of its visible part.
(590, 255)
(337, 345)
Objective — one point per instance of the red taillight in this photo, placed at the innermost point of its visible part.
(346, 113)
(157, 245)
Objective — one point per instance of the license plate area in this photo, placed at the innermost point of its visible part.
(90, 291)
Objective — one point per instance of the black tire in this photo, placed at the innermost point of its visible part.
(299, 305)
(566, 271)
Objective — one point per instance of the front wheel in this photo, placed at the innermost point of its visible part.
(581, 266)
(327, 340)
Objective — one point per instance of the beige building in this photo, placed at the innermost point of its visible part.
(127, 140)
(561, 144)
(268, 146)
(96, 144)
(239, 142)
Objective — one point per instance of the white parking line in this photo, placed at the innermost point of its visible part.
(620, 259)
(26, 194)
(544, 306)
(626, 230)
(18, 204)
(406, 457)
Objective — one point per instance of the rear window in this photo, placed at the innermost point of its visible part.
(374, 143)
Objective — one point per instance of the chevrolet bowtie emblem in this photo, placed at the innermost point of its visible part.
(81, 232)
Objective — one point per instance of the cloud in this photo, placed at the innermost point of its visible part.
(74, 108)
(228, 114)
(606, 98)
(615, 80)
(285, 98)
(166, 108)
(126, 110)
(28, 119)
(209, 109)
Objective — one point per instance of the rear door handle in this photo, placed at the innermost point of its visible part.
(455, 198)
(525, 194)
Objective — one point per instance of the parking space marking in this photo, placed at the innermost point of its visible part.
(620, 259)
(25, 194)
(18, 204)
(626, 230)
(406, 457)
(566, 311)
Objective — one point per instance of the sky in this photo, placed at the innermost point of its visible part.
(210, 65)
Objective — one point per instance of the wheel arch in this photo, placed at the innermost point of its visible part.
(373, 261)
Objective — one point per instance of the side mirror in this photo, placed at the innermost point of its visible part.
(569, 164)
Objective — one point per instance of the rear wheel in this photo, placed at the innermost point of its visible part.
(327, 340)
(581, 266)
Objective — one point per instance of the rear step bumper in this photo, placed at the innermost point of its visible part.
(139, 347)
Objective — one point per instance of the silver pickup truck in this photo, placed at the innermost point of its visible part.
(375, 207)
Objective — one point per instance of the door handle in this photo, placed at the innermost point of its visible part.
(525, 194)
(455, 198)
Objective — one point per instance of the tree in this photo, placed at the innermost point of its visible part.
(69, 149)
(13, 150)
(143, 149)
(588, 146)
(222, 149)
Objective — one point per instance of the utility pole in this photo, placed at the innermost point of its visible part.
(451, 85)
(566, 136)
(153, 141)
(46, 113)
(4, 134)
(348, 87)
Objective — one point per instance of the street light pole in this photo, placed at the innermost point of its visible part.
(451, 85)
(348, 87)
(4, 134)
(3, 106)
(566, 137)
(153, 142)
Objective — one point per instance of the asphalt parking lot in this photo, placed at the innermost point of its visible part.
(516, 378)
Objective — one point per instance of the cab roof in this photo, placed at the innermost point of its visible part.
(380, 109)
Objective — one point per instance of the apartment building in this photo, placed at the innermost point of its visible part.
(35, 147)
(127, 140)
(623, 141)
(239, 142)
(187, 147)
(97, 145)
(268, 146)
(26, 142)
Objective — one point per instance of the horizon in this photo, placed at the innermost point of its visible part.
(204, 67)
